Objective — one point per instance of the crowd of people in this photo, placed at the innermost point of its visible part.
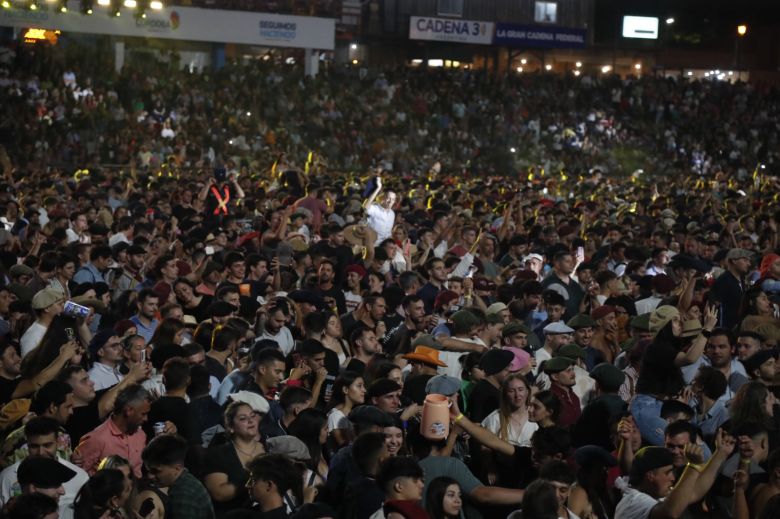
(250, 294)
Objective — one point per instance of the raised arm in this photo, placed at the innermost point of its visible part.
(697, 347)
(724, 447)
(29, 386)
(479, 433)
(681, 495)
(372, 197)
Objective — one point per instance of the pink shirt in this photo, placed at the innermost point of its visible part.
(106, 440)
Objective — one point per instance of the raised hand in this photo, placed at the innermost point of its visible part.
(694, 453)
(725, 443)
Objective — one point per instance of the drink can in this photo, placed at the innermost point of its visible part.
(159, 428)
(75, 310)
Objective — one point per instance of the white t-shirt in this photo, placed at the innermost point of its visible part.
(381, 220)
(635, 505)
(352, 300)
(283, 338)
(9, 487)
(337, 420)
(452, 359)
(521, 437)
(32, 337)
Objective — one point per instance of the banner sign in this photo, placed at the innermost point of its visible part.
(511, 35)
(184, 23)
(450, 30)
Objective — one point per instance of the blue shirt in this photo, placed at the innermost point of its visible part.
(88, 274)
(147, 332)
(714, 418)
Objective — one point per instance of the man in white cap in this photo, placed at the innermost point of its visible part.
(500, 309)
(47, 304)
(556, 335)
(535, 263)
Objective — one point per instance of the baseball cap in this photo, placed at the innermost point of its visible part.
(647, 459)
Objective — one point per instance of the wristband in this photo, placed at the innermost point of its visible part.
(459, 418)
(697, 468)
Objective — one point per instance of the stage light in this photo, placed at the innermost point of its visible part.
(156, 5)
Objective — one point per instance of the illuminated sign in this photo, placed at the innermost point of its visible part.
(644, 27)
(454, 31)
(33, 35)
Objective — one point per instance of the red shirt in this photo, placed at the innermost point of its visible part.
(570, 405)
(105, 440)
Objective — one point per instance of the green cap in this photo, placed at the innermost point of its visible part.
(557, 364)
(464, 321)
(641, 322)
(608, 376)
(581, 321)
(628, 344)
(494, 319)
(513, 328)
(571, 351)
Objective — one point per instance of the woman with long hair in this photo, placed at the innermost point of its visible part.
(353, 291)
(544, 409)
(192, 302)
(311, 427)
(590, 494)
(116, 462)
(225, 464)
(376, 282)
(444, 499)
(757, 310)
(61, 332)
(332, 338)
(379, 368)
(103, 496)
(326, 328)
(349, 391)
(754, 405)
(395, 439)
(169, 331)
(510, 421)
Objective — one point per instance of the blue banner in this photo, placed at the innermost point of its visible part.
(511, 35)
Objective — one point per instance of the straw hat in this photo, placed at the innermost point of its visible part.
(359, 234)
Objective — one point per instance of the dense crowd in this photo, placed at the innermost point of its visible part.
(404, 294)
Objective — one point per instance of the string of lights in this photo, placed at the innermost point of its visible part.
(115, 8)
